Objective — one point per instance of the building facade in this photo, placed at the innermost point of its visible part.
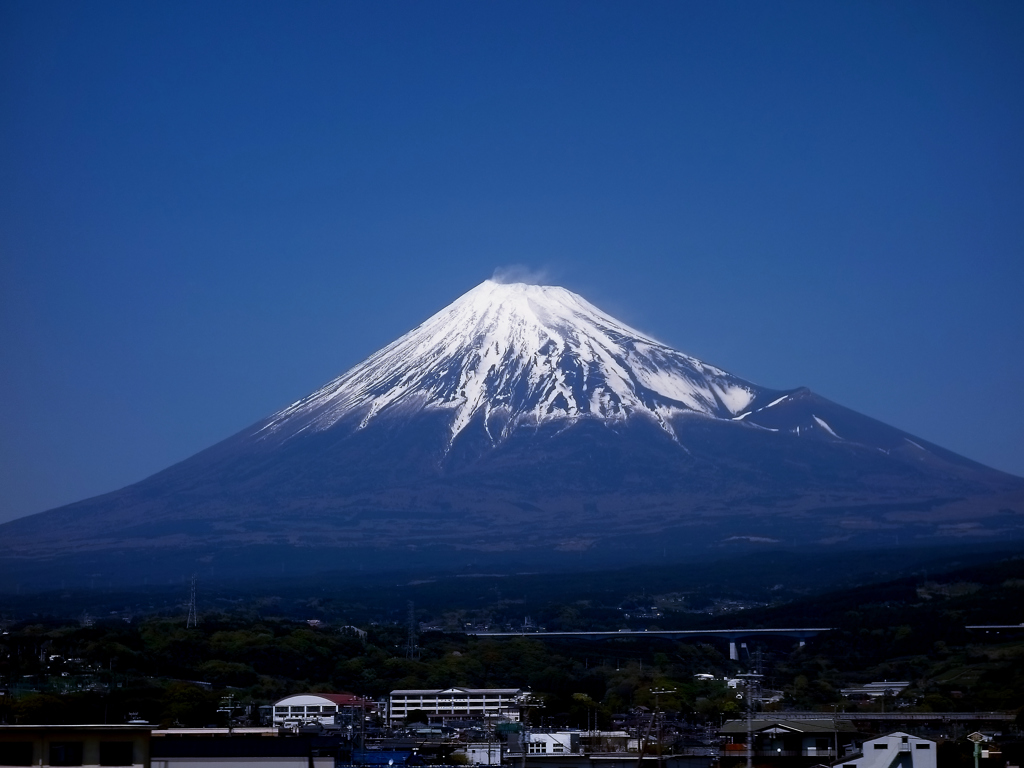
(328, 709)
(551, 742)
(819, 740)
(74, 745)
(482, 753)
(456, 703)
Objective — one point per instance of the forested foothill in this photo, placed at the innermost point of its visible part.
(93, 663)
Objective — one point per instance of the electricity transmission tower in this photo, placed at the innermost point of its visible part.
(411, 650)
(192, 621)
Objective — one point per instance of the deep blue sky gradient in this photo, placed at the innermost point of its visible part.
(208, 210)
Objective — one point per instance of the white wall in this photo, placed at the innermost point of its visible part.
(560, 743)
(483, 753)
(913, 752)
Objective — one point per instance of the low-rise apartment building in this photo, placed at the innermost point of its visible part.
(456, 703)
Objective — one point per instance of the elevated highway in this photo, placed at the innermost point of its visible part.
(732, 635)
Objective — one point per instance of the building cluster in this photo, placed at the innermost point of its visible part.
(491, 727)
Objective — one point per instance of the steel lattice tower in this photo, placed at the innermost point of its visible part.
(192, 621)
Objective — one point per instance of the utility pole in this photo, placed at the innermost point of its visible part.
(525, 702)
(750, 734)
(752, 684)
(657, 712)
(490, 738)
(977, 738)
(227, 704)
(641, 744)
(362, 730)
(835, 731)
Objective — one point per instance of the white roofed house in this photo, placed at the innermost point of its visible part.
(456, 703)
(329, 709)
(896, 750)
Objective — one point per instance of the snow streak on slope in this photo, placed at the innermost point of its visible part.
(521, 354)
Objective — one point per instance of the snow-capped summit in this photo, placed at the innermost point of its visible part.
(514, 354)
(516, 425)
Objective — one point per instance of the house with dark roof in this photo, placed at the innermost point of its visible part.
(793, 742)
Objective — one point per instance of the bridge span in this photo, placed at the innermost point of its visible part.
(732, 635)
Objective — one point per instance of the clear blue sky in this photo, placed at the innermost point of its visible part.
(208, 210)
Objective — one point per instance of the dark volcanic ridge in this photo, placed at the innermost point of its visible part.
(522, 423)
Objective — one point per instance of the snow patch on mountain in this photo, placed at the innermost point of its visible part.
(825, 426)
(529, 354)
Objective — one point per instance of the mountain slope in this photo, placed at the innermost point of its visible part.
(522, 419)
(521, 354)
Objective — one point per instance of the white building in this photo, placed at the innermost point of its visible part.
(896, 749)
(333, 709)
(457, 703)
(482, 753)
(552, 742)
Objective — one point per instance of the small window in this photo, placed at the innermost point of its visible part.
(329, 710)
(298, 710)
(15, 753)
(312, 709)
(65, 753)
(116, 753)
(922, 746)
(881, 746)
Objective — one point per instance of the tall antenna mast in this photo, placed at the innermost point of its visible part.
(192, 621)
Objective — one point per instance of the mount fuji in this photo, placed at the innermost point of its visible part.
(522, 423)
(509, 356)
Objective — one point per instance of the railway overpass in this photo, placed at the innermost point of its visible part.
(732, 635)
